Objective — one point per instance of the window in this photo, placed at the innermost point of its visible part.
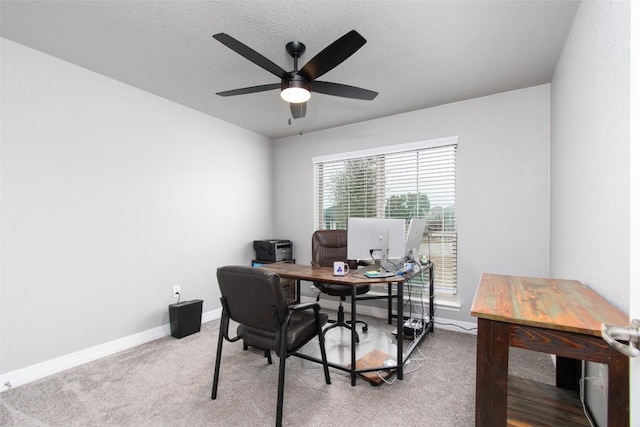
(401, 181)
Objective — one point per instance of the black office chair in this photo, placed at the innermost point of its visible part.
(328, 246)
(254, 298)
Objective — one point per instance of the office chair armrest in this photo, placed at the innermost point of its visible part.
(224, 322)
(295, 308)
(303, 306)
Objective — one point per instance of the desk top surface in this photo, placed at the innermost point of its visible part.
(324, 274)
(566, 305)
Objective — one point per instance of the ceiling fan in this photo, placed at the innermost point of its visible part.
(296, 85)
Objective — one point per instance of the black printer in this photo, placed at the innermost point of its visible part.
(273, 250)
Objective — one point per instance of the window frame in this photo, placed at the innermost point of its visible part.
(449, 294)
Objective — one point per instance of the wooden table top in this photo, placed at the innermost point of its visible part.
(566, 305)
(324, 274)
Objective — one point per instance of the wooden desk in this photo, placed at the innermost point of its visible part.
(325, 274)
(553, 316)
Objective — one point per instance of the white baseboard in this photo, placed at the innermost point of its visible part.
(211, 315)
(40, 370)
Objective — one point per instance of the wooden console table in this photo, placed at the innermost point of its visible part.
(560, 317)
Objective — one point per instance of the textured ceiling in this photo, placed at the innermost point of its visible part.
(418, 54)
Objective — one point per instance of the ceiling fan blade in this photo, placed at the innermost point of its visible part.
(332, 55)
(250, 54)
(298, 110)
(251, 89)
(345, 91)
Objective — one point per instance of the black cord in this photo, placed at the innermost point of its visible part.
(409, 301)
(457, 326)
(178, 297)
(409, 289)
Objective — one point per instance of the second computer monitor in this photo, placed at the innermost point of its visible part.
(414, 237)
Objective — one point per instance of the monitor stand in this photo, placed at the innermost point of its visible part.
(379, 271)
(384, 255)
(382, 263)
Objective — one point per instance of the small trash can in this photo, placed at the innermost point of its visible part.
(185, 318)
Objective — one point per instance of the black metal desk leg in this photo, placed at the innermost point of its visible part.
(389, 304)
(353, 336)
(399, 323)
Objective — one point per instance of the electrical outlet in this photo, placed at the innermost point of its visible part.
(176, 291)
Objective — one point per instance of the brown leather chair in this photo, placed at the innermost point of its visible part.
(254, 298)
(328, 246)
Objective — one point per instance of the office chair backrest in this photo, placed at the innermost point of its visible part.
(328, 246)
(251, 294)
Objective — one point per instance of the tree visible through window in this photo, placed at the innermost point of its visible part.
(405, 181)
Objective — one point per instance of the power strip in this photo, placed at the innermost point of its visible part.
(412, 328)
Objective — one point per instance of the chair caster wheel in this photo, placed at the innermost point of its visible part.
(365, 329)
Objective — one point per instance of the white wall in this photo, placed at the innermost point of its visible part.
(110, 196)
(590, 160)
(503, 186)
(590, 152)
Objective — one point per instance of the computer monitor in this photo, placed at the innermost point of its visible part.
(414, 237)
(378, 238)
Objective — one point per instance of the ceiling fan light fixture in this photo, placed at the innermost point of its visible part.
(295, 91)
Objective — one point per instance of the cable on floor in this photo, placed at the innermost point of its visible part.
(593, 380)
(415, 360)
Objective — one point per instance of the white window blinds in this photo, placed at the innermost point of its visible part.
(403, 181)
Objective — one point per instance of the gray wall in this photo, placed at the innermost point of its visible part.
(503, 188)
(590, 160)
(110, 196)
(590, 152)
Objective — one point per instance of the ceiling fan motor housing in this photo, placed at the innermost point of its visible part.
(295, 80)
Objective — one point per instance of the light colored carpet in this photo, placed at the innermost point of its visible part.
(168, 383)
